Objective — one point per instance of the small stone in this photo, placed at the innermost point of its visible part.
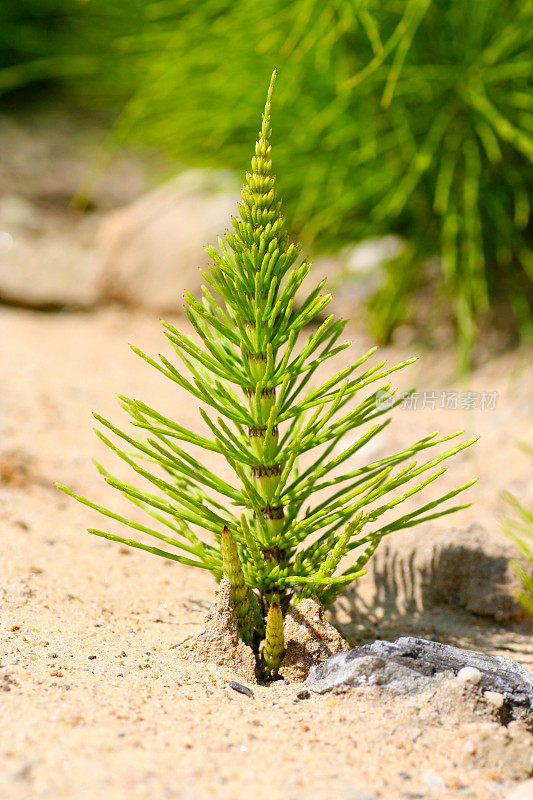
(524, 791)
(238, 687)
(24, 773)
(91, 658)
(433, 779)
(496, 699)
(469, 675)
(303, 695)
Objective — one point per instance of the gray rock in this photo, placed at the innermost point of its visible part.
(411, 664)
(153, 248)
(369, 670)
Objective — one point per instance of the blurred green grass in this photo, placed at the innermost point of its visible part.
(519, 528)
(413, 118)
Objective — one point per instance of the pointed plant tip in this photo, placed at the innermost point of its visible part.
(270, 88)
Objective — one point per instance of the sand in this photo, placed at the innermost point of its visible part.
(96, 701)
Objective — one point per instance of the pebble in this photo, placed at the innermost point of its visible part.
(496, 699)
(469, 675)
(524, 791)
(433, 779)
(238, 687)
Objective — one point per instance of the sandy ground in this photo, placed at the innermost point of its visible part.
(95, 701)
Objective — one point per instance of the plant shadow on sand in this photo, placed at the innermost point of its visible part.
(401, 599)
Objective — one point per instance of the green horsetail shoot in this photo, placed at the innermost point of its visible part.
(281, 529)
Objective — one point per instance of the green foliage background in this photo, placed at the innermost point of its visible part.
(519, 527)
(412, 117)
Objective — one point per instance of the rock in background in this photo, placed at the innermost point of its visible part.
(129, 243)
(470, 569)
(45, 260)
(464, 568)
(48, 253)
(152, 250)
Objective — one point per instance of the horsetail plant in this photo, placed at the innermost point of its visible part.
(255, 338)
